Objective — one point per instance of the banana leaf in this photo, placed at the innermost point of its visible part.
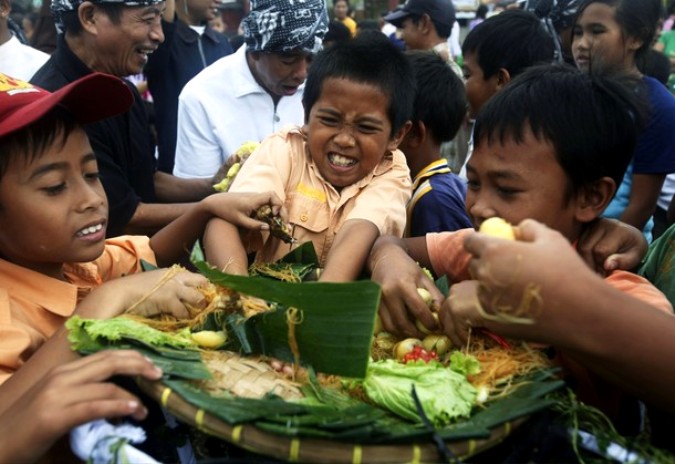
(336, 416)
(333, 325)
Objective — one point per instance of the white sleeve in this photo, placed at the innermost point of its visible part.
(198, 151)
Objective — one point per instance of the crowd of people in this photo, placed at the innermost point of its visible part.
(380, 142)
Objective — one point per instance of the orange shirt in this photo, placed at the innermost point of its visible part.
(34, 306)
(316, 210)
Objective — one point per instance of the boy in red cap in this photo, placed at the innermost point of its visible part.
(54, 258)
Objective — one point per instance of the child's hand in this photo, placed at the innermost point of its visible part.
(401, 304)
(239, 208)
(460, 312)
(70, 395)
(163, 291)
(608, 244)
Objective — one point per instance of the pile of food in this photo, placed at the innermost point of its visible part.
(307, 361)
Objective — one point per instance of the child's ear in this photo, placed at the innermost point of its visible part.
(634, 44)
(417, 134)
(503, 78)
(396, 139)
(593, 200)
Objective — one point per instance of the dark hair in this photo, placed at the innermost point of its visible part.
(637, 19)
(32, 141)
(71, 21)
(592, 120)
(513, 40)
(369, 58)
(655, 64)
(442, 29)
(481, 11)
(337, 32)
(368, 23)
(440, 99)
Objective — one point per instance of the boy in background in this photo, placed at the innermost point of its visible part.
(55, 260)
(340, 177)
(437, 202)
(496, 51)
(552, 146)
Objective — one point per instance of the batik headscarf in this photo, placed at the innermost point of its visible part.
(280, 26)
(64, 6)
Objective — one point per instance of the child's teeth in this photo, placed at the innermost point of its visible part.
(91, 230)
(341, 160)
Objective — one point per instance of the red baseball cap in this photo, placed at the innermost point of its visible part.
(92, 98)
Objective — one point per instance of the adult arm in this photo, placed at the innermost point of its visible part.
(578, 311)
(172, 189)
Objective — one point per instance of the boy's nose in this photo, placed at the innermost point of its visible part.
(344, 137)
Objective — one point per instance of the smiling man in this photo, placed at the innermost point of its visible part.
(252, 93)
(116, 37)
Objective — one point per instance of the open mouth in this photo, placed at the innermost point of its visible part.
(340, 161)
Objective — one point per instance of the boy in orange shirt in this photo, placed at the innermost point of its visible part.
(552, 146)
(54, 258)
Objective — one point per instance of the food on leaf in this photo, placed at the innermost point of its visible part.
(405, 346)
(445, 395)
(210, 339)
(441, 344)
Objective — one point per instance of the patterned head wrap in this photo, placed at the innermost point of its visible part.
(280, 26)
(64, 6)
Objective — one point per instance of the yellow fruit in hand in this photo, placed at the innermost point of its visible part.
(497, 227)
(209, 339)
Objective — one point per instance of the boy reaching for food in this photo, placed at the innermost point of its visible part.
(54, 259)
(340, 176)
(551, 146)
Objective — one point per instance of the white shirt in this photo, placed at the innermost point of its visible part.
(221, 108)
(453, 41)
(19, 60)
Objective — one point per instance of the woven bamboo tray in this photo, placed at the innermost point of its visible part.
(312, 450)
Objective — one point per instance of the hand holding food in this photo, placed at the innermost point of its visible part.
(163, 291)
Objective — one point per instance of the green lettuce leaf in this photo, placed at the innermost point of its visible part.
(86, 334)
(464, 364)
(445, 395)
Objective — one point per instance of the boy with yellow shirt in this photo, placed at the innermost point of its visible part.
(340, 177)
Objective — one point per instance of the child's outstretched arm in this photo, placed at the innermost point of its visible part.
(147, 293)
(70, 395)
(393, 263)
(349, 251)
(176, 239)
(223, 247)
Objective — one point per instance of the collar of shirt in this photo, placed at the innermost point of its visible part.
(54, 295)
